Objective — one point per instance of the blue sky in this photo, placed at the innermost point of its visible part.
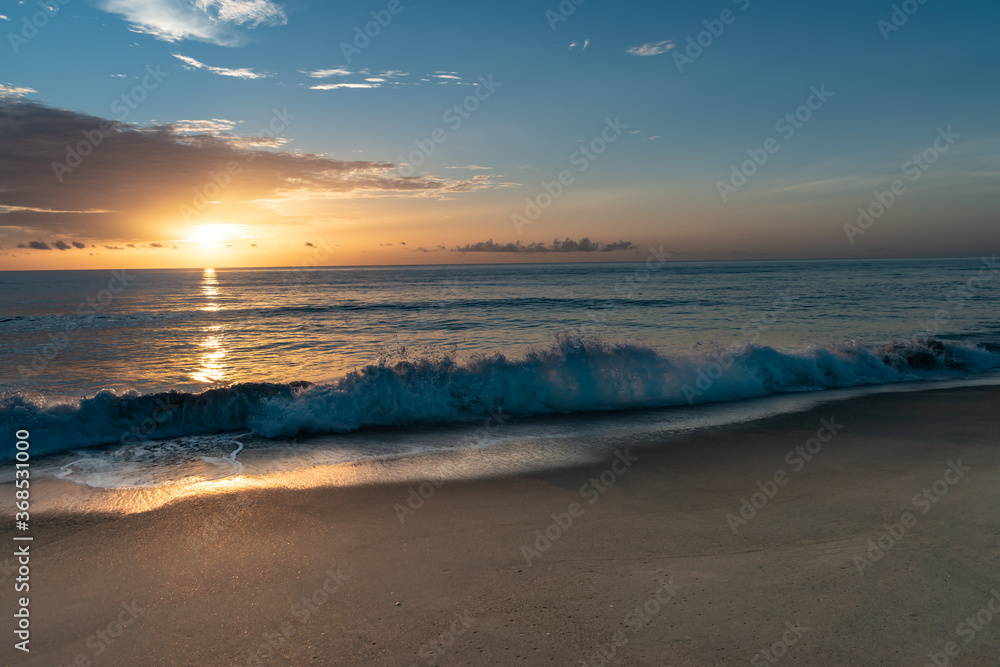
(657, 183)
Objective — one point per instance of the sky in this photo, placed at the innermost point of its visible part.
(191, 133)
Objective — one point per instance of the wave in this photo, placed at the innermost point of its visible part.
(574, 375)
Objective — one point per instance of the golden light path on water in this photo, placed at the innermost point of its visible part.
(211, 369)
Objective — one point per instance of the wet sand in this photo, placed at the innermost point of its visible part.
(640, 560)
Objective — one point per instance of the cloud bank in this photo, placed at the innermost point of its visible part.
(135, 174)
(566, 245)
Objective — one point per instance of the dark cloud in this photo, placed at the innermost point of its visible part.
(35, 245)
(155, 245)
(566, 245)
(57, 245)
(620, 245)
(114, 247)
(309, 245)
(130, 174)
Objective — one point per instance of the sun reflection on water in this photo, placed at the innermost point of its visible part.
(211, 369)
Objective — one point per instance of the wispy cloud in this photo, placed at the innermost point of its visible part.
(327, 73)
(216, 126)
(15, 91)
(341, 71)
(334, 86)
(214, 21)
(240, 73)
(652, 49)
(369, 79)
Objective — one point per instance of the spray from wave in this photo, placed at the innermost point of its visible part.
(573, 375)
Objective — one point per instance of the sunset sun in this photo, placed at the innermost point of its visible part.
(212, 235)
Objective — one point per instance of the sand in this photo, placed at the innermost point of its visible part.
(651, 573)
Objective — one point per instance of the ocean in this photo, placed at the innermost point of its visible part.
(141, 378)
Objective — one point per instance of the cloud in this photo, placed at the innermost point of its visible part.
(369, 79)
(212, 126)
(139, 177)
(566, 245)
(57, 245)
(619, 245)
(240, 73)
(327, 73)
(213, 21)
(392, 77)
(652, 49)
(35, 245)
(15, 91)
(334, 86)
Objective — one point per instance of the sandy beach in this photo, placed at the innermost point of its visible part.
(867, 537)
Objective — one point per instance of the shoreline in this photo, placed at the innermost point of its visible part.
(633, 556)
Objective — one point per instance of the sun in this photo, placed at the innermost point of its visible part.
(212, 234)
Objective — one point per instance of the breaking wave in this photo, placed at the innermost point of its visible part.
(572, 376)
